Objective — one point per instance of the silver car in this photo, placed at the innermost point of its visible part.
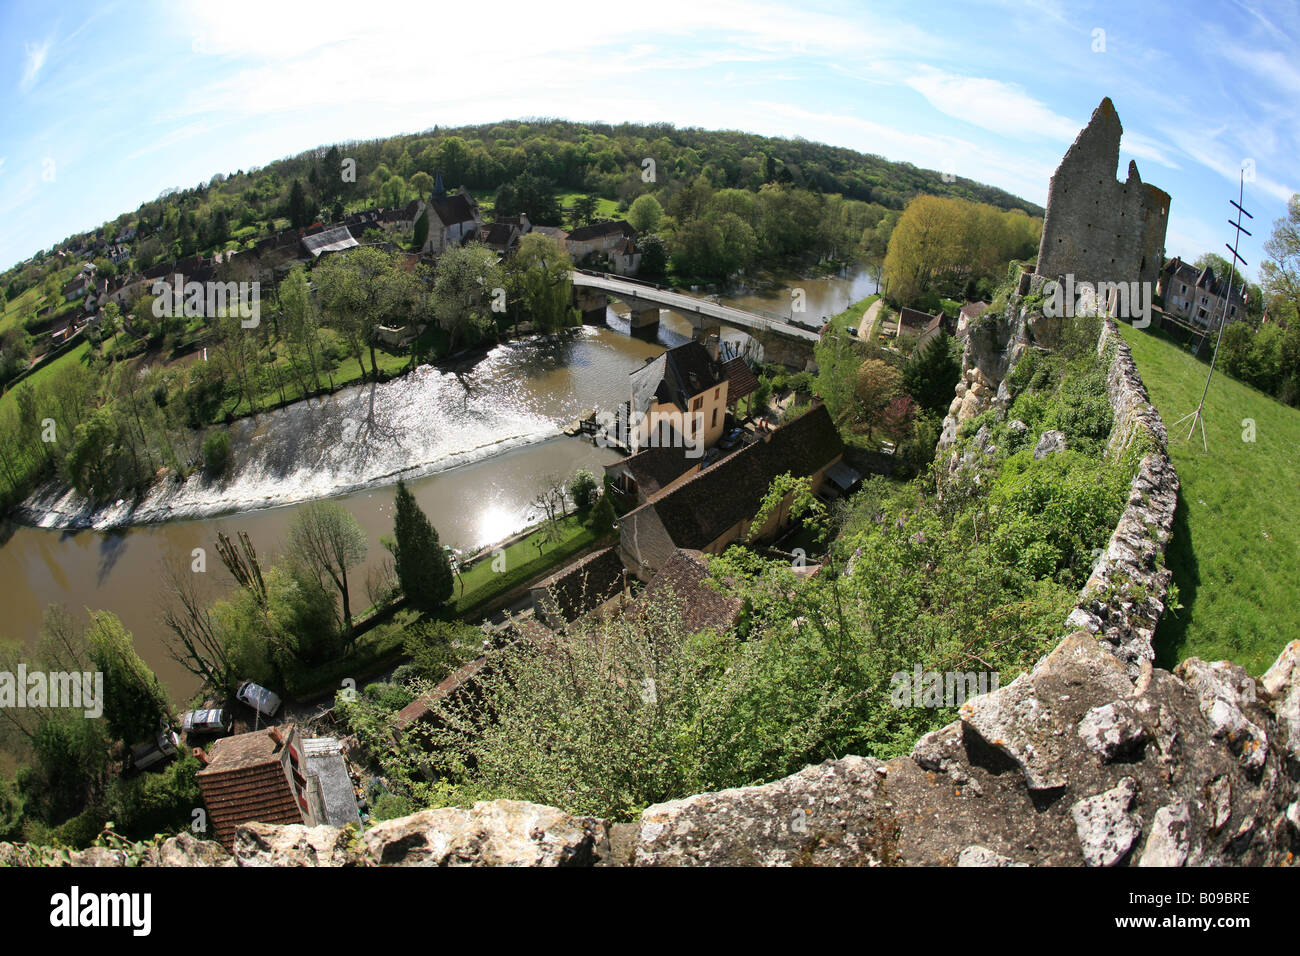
(263, 701)
(212, 721)
(155, 751)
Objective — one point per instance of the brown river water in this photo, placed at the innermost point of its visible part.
(475, 448)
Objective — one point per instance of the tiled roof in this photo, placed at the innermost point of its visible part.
(329, 240)
(702, 606)
(582, 586)
(698, 511)
(658, 466)
(453, 209)
(244, 782)
(740, 380)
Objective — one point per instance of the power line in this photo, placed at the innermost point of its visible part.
(1199, 414)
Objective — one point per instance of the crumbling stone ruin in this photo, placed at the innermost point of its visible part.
(1097, 228)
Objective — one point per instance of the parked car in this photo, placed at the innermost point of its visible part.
(212, 721)
(152, 752)
(731, 439)
(263, 701)
(852, 330)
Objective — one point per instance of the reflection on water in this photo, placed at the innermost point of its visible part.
(477, 447)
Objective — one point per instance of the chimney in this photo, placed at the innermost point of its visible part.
(276, 736)
(200, 756)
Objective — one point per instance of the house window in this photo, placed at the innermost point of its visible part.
(717, 391)
(714, 424)
(697, 404)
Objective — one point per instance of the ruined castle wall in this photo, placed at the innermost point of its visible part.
(1097, 228)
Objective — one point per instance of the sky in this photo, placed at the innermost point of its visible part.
(109, 104)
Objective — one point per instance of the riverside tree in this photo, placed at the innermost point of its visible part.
(328, 541)
(423, 569)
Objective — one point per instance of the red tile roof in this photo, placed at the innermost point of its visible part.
(244, 782)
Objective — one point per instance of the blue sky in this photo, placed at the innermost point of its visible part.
(107, 104)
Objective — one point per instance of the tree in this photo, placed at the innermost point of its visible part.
(421, 235)
(326, 540)
(422, 183)
(1280, 274)
(297, 213)
(467, 275)
(539, 278)
(583, 210)
(930, 375)
(878, 383)
(603, 516)
(582, 489)
(644, 214)
(421, 562)
(351, 293)
(654, 254)
(135, 704)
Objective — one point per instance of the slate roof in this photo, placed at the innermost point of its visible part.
(244, 782)
(658, 466)
(675, 377)
(582, 586)
(597, 229)
(324, 756)
(698, 511)
(702, 607)
(329, 240)
(453, 209)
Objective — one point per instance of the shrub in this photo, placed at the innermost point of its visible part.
(582, 489)
(216, 453)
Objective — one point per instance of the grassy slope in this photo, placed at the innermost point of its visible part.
(1235, 531)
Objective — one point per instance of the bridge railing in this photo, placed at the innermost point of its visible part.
(712, 299)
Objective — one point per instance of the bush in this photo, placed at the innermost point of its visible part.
(582, 489)
(216, 453)
(390, 697)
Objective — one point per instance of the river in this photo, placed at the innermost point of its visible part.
(475, 447)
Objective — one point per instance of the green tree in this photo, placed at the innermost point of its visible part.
(582, 490)
(930, 375)
(326, 540)
(644, 214)
(135, 704)
(422, 566)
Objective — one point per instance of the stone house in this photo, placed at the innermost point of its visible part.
(599, 239)
(684, 387)
(1198, 296)
(273, 776)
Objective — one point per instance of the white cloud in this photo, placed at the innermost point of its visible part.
(1002, 108)
(36, 56)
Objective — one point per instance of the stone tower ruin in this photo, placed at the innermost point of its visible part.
(1097, 228)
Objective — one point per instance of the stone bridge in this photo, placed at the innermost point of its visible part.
(783, 342)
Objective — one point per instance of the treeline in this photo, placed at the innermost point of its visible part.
(525, 165)
(954, 249)
(107, 424)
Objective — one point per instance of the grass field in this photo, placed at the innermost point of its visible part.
(1236, 536)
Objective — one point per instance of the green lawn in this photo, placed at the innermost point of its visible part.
(523, 561)
(1235, 531)
(853, 314)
